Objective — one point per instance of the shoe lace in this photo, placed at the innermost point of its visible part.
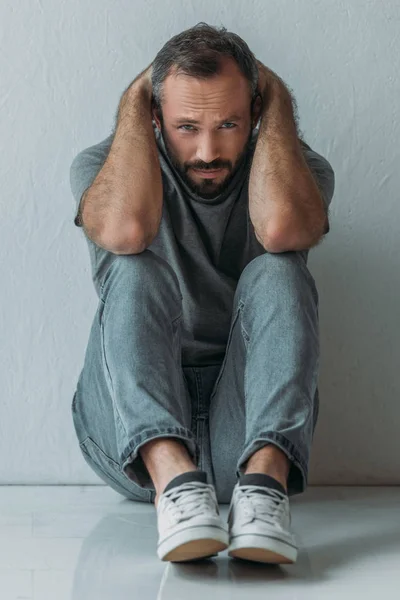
(251, 505)
(188, 500)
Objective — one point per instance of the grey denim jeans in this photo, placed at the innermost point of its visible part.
(133, 388)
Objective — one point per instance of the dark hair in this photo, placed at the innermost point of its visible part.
(198, 52)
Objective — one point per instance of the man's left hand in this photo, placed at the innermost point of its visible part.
(266, 78)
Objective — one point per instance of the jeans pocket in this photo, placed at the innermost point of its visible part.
(110, 472)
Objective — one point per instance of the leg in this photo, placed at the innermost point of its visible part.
(164, 460)
(131, 389)
(271, 461)
(266, 395)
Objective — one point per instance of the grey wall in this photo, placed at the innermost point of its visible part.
(63, 68)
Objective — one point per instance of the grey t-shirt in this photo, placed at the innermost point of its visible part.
(208, 243)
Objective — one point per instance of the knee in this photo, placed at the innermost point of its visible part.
(141, 272)
(277, 272)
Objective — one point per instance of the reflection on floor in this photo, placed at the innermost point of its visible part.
(89, 543)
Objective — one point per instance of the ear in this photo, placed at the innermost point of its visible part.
(257, 110)
(155, 113)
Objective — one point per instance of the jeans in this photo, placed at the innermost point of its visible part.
(133, 388)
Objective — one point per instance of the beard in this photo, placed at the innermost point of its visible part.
(206, 189)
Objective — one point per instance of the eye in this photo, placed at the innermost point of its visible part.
(182, 126)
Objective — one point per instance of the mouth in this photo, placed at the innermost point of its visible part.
(208, 174)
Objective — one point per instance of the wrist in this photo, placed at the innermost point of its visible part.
(273, 91)
(140, 88)
(277, 102)
(138, 94)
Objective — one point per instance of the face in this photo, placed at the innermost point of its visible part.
(206, 126)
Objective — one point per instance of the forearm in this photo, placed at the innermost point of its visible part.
(285, 205)
(126, 195)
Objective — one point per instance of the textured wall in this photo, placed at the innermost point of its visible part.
(63, 68)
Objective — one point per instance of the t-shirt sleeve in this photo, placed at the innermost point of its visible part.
(84, 169)
(322, 171)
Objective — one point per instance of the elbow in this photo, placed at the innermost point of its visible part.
(284, 239)
(130, 241)
(132, 248)
(275, 243)
(270, 240)
(276, 239)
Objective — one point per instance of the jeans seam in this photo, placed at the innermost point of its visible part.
(199, 406)
(112, 464)
(107, 371)
(177, 318)
(105, 279)
(244, 334)
(222, 369)
(200, 436)
(109, 460)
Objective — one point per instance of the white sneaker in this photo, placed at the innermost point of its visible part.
(188, 520)
(259, 520)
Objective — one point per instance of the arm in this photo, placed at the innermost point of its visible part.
(323, 174)
(122, 208)
(285, 204)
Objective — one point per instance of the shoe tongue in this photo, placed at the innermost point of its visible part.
(186, 478)
(263, 480)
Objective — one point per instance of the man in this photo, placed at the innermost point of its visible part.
(199, 383)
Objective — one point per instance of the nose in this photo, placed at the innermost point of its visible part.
(207, 150)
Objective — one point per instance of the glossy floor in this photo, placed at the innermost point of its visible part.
(89, 543)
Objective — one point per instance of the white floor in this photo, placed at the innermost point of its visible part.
(89, 543)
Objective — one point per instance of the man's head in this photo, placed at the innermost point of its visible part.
(209, 76)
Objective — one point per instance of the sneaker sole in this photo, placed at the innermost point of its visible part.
(193, 543)
(262, 549)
